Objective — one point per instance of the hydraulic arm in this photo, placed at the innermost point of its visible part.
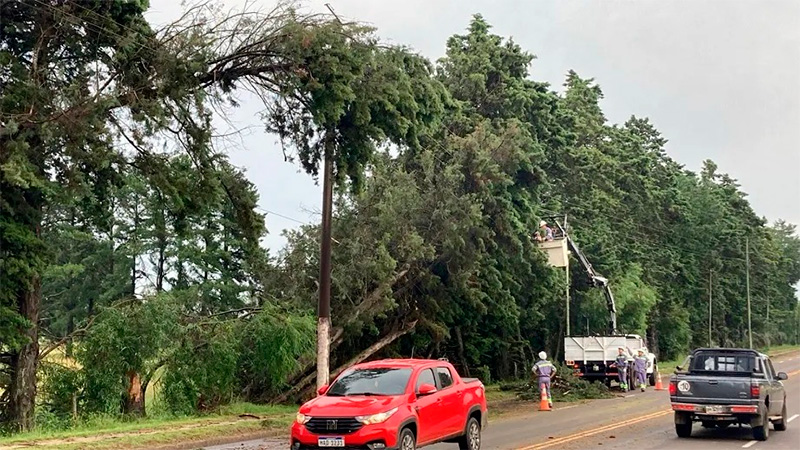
(597, 281)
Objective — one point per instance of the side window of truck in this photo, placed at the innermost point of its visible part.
(445, 377)
(771, 370)
(425, 377)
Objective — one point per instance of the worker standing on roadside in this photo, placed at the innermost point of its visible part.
(544, 371)
(622, 369)
(640, 368)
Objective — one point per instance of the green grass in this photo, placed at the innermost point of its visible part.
(160, 430)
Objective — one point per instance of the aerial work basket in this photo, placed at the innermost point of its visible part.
(557, 252)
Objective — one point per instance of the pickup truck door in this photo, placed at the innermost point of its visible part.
(776, 392)
(454, 414)
(430, 410)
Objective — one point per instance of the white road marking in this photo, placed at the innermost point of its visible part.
(792, 418)
(629, 396)
(781, 362)
(750, 444)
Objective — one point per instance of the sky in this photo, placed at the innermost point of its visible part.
(720, 79)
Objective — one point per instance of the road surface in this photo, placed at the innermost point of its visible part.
(637, 421)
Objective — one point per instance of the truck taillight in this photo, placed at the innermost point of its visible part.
(755, 391)
(673, 388)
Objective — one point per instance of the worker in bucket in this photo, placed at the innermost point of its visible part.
(640, 368)
(545, 233)
(544, 370)
(622, 369)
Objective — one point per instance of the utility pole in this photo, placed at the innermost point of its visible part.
(324, 305)
(710, 297)
(567, 270)
(747, 278)
(769, 326)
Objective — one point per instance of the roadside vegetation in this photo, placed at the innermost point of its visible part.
(134, 289)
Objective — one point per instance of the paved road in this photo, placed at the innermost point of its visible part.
(641, 422)
(637, 421)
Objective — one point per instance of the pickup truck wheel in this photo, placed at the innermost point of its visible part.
(472, 436)
(780, 425)
(652, 379)
(407, 440)
(761, 433)
(683, 430)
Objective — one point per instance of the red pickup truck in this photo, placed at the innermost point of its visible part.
(393, 404)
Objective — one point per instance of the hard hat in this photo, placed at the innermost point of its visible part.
(542, 355)
(642, 350)
(542, 223)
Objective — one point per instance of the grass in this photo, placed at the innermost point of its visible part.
(111, 433)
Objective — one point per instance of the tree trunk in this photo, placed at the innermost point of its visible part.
(25, 361)
(461, 357)
(305, 384)
(70, 330)
(134, 403)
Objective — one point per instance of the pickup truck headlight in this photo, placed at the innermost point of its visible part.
(302, 419)
(376, 418)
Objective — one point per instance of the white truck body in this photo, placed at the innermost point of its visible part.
(593, 348)
(593, 356)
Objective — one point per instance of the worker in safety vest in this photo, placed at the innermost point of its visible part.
(640, 368)
(544, 371)
(622, 368)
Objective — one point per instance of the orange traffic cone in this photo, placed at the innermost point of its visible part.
(544, 403)
(659, 386)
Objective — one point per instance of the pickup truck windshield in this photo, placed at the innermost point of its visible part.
(371, 382)
(725, 362)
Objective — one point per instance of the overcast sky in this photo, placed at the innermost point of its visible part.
(719, 78)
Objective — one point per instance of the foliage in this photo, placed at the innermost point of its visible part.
(269, 348)
(125, 340)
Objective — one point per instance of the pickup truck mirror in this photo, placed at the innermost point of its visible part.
(679, 369)
(782, 376)
(322, 390)
(426, 389)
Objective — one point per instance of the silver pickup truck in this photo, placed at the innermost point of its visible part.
(721, 386)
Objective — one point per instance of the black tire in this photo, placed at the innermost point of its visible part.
(780, 425)
(683, 430)
(653, 376)
(472, 436)
(761, 433)
(407, 440)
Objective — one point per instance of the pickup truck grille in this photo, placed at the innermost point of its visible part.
(333, 425)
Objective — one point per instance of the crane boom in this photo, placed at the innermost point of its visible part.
(597, 281)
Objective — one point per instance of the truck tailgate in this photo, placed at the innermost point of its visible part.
(708, 389)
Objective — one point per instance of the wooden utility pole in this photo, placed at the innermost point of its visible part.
(567, 270)
(747, 278)
(710, 297)
(324, 305)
